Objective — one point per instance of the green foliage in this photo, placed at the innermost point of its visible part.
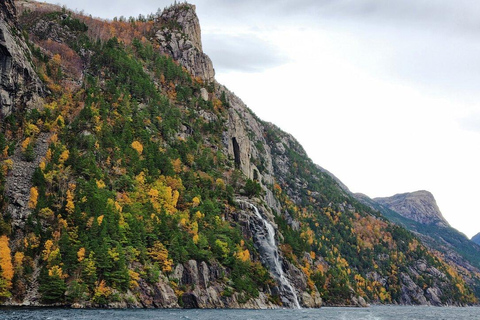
(52, 287)
(252, 188)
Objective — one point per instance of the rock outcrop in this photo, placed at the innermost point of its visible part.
(419, 206)
(179, 36)
(20, 86)
(205, 288)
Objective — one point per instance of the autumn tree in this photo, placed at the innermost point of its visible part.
(6, 268)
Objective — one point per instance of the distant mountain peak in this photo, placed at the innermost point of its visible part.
(476, 238)
(419, 206)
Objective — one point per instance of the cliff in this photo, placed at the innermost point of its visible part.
(419, 206)
(20, 86)
(143, 182)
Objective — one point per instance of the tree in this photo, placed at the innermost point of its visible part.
(6, 267)
(52, 285)
(32, 202)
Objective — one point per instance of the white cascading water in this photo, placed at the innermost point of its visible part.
(273, 258)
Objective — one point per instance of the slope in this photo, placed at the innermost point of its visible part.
(454, 246)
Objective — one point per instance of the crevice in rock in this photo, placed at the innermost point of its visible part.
(236, 152)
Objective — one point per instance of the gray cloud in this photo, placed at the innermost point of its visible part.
(246, 52)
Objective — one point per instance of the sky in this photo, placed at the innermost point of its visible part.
(383, 94)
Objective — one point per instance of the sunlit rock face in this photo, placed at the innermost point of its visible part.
(419, 206)
(180, 37)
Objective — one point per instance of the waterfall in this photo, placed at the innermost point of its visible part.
(265, 240)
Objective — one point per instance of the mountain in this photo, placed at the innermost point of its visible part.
(419, 213)
(132, 178)
(418, 206)
(476, 238)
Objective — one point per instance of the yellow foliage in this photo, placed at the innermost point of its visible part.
(220, 183)
(46, 213)
(50, 252)
(177, 165)
(137, 146)
(60, 121)
(190, 159)
(56, 271)
(48, 156)
(32, 202)
(81, 254)
(134, 277)
(243, 255)
(64, 156)
(18, 259)
(25, 143)
(175, 197)
(140, 178)
(195, 202)
(42, 165)
(100, 220)
(31, 241)
(70, 206)
(102, 290)
(160, 254)
(114, 254)
(6, 261)
(195, 238)
(100, 184)
(31, 129)
(5, 152)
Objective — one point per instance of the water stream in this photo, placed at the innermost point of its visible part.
(265, 240)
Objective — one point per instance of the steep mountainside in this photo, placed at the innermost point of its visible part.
(142, 182)
(476, 238)
(454, 246)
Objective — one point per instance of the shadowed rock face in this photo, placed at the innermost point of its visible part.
(476, 238)
(180, 37)
(419, 206)
(20, 86)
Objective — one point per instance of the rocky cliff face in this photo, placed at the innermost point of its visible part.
(419, 206)
(20, 86)
(180, 37)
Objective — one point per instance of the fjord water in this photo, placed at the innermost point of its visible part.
(372, 313)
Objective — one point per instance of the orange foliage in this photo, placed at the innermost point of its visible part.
(6, 261)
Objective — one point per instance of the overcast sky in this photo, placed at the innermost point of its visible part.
(381, 93)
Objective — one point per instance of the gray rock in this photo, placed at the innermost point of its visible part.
(19, 86)
(180, 37)
(204, 94)
(419, 206)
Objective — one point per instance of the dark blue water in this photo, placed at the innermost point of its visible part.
(372, 313)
